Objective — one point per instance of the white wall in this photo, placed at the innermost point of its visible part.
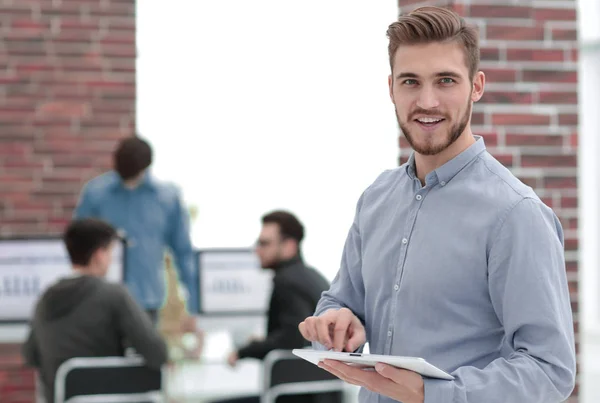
(264, 104)
(589, 198)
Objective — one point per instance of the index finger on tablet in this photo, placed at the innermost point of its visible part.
(322, 328)
(340, 331)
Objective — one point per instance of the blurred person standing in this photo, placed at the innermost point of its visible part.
(297, 289)
(83, 315)
(152, 217)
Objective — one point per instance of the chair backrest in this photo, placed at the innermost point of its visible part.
(107, 379)
(287, 374)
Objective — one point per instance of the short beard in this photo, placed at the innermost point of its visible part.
(453, 134)
(274, 262)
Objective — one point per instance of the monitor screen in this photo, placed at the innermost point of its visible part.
(29, 266)
(231, 281)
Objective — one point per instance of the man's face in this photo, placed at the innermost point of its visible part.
(269, 247)
(433, 94)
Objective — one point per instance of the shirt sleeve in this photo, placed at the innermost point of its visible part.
(291, 307)
(181, 245)
(529, 291)
(347, 288)
(85, 207)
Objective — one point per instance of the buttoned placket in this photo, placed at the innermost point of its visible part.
(418, 200)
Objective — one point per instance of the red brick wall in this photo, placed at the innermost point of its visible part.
(528, 115)
(67, 93)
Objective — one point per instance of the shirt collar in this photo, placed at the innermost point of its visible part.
(287, 265)
(147, 181)
(446, 172)
(284, 264)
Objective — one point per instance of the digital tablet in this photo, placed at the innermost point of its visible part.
(368, 361)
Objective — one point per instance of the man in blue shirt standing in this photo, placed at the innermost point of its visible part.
(152, 217)
(450, 257)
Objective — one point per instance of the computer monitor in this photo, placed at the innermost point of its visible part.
(231, 282)
(28, 266)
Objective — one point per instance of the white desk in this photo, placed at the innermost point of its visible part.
(205, 382)
(212, 379)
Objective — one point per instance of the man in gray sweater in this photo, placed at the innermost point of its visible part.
(83, 315)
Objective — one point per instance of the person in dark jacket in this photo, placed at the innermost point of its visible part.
(86, 316)
(296, 291)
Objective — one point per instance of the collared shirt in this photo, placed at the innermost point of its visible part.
(467, 272)
(153, 219)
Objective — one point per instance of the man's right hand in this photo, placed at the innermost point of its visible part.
(339, 329)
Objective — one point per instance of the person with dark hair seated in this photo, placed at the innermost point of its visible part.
(296, 291)
(83, 315)
(152, 217)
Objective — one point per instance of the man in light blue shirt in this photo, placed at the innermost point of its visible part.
(450, 257)
(152, 216)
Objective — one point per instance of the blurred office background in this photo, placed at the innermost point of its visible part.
(263, 104)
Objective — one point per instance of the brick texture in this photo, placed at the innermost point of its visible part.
(528, 115)
(67, 93)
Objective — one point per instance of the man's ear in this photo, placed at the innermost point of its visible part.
(478, 86)
(95, 256)
(291, 247)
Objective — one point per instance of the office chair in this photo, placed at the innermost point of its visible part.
(286, 374)
(107, 380)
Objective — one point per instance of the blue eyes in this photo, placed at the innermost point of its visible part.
(445, 80)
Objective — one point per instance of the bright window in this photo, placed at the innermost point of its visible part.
(264, 104)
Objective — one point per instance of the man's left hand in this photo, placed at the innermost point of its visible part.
(399, 384)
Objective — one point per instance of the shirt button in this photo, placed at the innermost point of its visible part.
(404, 241)
(443, 183)
(419, 197)
(396, 287)
(389, 333)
